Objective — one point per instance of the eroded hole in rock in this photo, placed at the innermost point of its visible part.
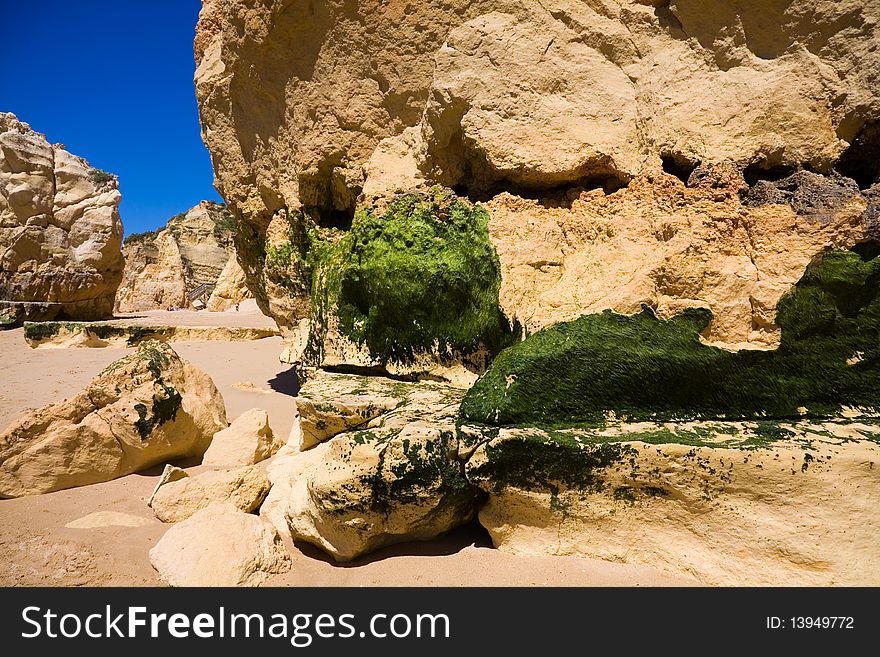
(365, 370)
(678, 166)
(867, 250)
(861, 161)
(333, 218)
(762, 171)
(667, 19)
(564, 193)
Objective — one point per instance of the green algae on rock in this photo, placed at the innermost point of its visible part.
(394, 478)
(146, 408)
(643, 368)
(422, 273)
(419, 277)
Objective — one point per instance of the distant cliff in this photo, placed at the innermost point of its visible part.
(60, 230)
(182, 263)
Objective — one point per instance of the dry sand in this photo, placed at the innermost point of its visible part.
(37, 549)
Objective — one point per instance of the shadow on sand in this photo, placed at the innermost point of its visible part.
(286, 382)
(471, 535)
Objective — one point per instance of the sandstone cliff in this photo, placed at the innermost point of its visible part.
(194, 249)
(528, 108)
(644, 233)
(60, 230)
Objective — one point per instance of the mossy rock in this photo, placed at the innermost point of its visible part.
(39, 331)
(420, 277)
(643, 368)
(540, 461)
(8, 322)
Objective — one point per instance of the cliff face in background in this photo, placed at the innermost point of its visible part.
(60, 230)
(163, 268)
(627, 152)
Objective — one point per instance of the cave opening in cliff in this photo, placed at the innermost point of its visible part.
(763, 171)
(333, 217)
(867, 250)
(556, 194)
(678, 166)
(861, 161)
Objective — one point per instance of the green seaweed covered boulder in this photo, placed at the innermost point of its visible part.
(643, 368)
(421, 276)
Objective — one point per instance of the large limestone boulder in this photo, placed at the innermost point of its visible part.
(244, 488)
(146, 408)
(747, 467)
(60, 230)
(220, 546)
(248, 440)
(163, 267)
(570, 122)
(230, 289)
(734, 504)
(325, 410)
(396, 479)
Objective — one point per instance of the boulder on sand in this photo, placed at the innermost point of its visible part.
(149, 407)
(248, 440)
(220, 546)
(177, 500)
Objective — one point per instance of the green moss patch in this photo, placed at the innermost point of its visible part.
(539, 461)
(642, 368)
(166, 400)
(420, 277)
(39, 331)
(156, 357)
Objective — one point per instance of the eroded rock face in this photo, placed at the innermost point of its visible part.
(725, 503)
(154, 277)
(230, 288)
(163, 268)
(395, 478)
(510, 102)
(220, 546)
(146, 408)
(521, 93)
(60, 230)
(661, 244)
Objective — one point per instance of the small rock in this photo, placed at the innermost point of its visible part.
(247, 441)
(244, 488)
(220, 546)
(169, 474)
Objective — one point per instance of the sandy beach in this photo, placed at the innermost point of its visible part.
(39, 550)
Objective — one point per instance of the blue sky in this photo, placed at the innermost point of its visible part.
(112, 80)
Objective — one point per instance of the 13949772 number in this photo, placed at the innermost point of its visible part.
(811, 623)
